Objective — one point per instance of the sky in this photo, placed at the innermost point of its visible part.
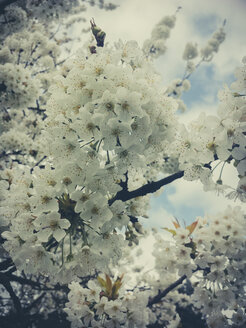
(196, 22)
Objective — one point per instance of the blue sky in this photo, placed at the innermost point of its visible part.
(201, 87)
(196, 22)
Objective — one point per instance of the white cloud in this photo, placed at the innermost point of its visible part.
(134, 19)
(196, 110)
(143, 260)
(158, 217)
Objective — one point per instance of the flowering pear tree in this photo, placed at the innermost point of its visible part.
(85, 141)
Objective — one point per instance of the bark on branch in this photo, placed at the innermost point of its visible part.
(5, 282)
(34, 284)
(148, 188)
(158, 297)
(162, 294)
(4, 265)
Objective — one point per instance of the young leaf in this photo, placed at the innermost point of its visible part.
(102, 282)
(173, 232)
(192, 226)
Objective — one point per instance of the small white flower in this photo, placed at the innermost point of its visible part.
(115, 309)
(51, 224)
(94, 291)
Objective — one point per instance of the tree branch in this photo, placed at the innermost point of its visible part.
(157, 298)
(4, 265)
(162, 294)
(5, 282)
(5, 154)
(148, 188)
(37, 300)
(37, 164)
(39, 285)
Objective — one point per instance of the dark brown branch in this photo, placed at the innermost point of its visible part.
(12, 277)
(40, 72)
(37, 300)
(149, 188)
(162, 294)
(4, 265)
(5, 282)
(25, 281)
(37, 164)
(4, 154)
(38, 109)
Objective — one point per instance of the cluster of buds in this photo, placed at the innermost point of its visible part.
(98, 33)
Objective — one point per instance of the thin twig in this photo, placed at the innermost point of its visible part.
(31, 170)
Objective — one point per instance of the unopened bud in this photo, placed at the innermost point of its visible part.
(98, 33)
(92, 49)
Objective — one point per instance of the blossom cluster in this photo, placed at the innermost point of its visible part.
(30, 50)
(17, 16)
(220, 252)
(233, 102)
(215, 138)
(213, 45)
(23, 56)
(27, 59)
(156, 45)
(106, 117)
(212, 258)
(96, 306)
(208, 254)
(191, 51)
